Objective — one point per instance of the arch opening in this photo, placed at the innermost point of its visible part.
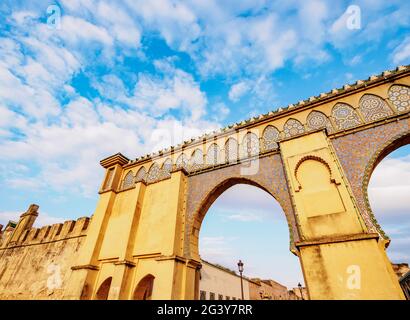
(241, 220)
(104, 289)
(144, 289)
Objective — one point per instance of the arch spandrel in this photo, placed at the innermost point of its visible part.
(373, 108)
(203, 189)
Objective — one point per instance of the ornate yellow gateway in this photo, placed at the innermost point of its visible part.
(315, 158)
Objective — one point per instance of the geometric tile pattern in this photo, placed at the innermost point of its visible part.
(373, 108)
(400, 97)
(141, 175)
(250, 145)
(182, 161)
(318, 120)
(212, 155)
(128, 180)
(292, 128)
(153, 173)
(345, 116)
(166, 169)
(231, 150)
(197, 160)
(270, 138)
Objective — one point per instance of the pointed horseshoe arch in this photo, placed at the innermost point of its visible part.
(144, 289)
(215, 191)
(391, 145)
(104, 289)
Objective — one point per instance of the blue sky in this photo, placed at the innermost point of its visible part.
(114, 76)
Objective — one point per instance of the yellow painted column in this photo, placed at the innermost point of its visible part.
(85, 270)
(340, 258)
(159, 237)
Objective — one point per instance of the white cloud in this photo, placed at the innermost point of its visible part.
(75, 30)
(175, 21)
(22, 16)
(312, 15)
(402, 53)
(390, 186)
(398, 257)
(121, 25)
(217, 249)
(238, 90)
(176, 89)
(258, 205)
(219, 111)
(376, 20)
(339, 32)
(247, 216)
(65, 140)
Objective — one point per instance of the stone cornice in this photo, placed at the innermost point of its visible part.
(113, 160)
(86, 266)
(327, 240)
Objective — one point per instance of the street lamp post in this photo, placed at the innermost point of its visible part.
(300, 289)
(240, 267)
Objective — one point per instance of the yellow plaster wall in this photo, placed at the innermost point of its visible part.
(158, 223)
(116, 239)
(328, 268)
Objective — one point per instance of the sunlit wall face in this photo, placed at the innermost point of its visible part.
(389, 196)
(247, 223)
